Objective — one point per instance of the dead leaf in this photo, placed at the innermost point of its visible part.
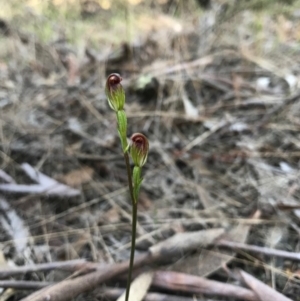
(183, 242)
(14, 226)
(77, 177)
(111, 216)
(198, 285)
(5, 294)
(274, 235)
(208, 261)
(262, 290)
(190, 110)
(139, 287)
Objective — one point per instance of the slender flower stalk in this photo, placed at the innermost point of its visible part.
(139, 148)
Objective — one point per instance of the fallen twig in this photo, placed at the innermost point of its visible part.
(114, 293)
(174, 281)
(71, 265)
(24, 285)
(257, 249)
(70, 288)
(262, 290)
(198, 285)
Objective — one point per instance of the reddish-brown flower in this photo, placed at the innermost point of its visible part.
(139, 149)
(115, 92)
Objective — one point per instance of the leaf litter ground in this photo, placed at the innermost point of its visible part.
(220, 107)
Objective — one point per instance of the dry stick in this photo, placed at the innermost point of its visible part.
(198, 285)
(114, 293)
(257, 249)
(167, 280)
(70, 288)
(24, 285)
(71, 265)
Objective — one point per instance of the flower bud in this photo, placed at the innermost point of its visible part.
(139, 149)
(115, 92)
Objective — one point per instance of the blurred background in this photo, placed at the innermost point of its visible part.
(214, 85)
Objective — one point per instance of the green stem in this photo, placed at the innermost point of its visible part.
(134, 220)
(133, 235)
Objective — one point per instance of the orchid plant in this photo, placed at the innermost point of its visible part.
(137, 149)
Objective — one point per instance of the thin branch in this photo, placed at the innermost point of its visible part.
(24, 285)
(114, 293)
(257, 249)
(71, 265)
(70, 288)
(198, 285)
